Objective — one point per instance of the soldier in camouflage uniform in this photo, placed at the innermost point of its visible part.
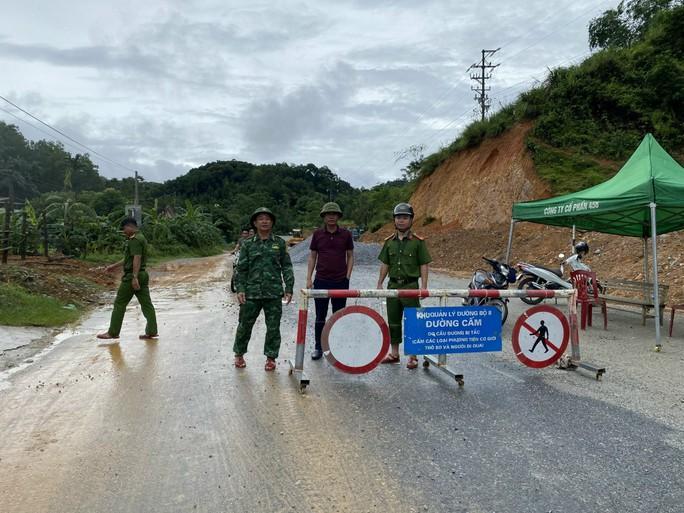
(135, 282)
(263, 266)
(405, 258)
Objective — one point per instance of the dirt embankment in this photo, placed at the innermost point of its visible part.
(479, 186)
(464, 210)
(69, 280)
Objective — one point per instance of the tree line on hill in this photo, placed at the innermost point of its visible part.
(199, 211)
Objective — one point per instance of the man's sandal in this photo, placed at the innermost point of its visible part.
(240, 362)
(148, 337)
(270, 365)
(390, 358)
(412, 363)
(106, 336)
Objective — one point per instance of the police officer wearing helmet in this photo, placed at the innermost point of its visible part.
(263, 267)
(405, 259)
(332, 256)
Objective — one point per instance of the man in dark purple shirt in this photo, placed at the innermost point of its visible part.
(332, 255)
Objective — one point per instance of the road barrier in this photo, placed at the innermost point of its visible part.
(572, 361)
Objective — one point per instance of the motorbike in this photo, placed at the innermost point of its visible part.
(498, 279)
(537, 277)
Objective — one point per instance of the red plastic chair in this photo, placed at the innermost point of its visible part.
(586, 284)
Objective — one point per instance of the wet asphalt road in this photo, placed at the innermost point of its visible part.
(170, 426)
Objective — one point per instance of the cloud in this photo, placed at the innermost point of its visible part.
(167, 85)
(86, 56)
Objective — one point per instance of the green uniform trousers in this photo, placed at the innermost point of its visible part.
(124, 296)
(249, 311)
(395, 310)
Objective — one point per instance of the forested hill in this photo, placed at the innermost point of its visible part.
(293, 192)
(225, 191)
(589, 118)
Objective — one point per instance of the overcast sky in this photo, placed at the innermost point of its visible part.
(164, 86)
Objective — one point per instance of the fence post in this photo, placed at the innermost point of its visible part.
(45, 235)
(24, 234)
(6, 232)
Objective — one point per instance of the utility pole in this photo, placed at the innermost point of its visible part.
(134, 210)
(46, 237)
(9, 210)
(483, 72)
(135, 201)
(24, 233)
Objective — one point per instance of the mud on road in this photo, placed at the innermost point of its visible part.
(20, 344)
(171, 426)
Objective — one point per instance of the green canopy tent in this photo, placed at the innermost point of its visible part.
(644, 199)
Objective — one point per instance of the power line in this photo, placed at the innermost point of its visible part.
(95, 152)
(526, 82)
(440, 100)
(485, 68)
(36, 127)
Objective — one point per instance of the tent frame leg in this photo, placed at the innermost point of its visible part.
(510, 241)
(656, 292)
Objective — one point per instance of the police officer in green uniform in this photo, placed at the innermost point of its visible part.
(135, 282)
(263, 267)
(405, 258)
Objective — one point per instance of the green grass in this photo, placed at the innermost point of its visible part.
(565, 171)
(20, 308)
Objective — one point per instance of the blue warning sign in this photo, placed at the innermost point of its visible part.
(452, 329)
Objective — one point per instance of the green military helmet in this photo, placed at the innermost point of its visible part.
(403, 209)
(262, 210)
(331, 208)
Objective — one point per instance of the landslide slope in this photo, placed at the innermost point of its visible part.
(476, 188)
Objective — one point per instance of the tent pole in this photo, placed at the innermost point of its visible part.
(510, 242)
(645, 258)
(574, 238)
(656, 295)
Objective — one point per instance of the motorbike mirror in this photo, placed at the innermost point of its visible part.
(561, 256)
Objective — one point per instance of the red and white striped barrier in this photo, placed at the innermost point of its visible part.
(297, 367)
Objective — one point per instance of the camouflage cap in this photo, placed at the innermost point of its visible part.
(331, 208)
(262, 210)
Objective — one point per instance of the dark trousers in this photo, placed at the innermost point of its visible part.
(322, 304)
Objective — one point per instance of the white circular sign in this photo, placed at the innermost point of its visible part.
(355, 339)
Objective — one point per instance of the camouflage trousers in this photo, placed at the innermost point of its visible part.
(273, 309)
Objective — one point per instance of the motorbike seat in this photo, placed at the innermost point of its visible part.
(554, 271)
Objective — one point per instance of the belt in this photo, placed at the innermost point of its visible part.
(403, 281)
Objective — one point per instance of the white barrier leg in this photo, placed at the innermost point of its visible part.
(297, 367)
(576, 357)
(441, 361)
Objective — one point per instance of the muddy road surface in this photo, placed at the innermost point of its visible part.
(171, 426)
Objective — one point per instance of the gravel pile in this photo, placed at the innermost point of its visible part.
(364, 254)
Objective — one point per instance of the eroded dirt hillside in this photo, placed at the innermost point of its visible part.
(479, 186)
(464, 210)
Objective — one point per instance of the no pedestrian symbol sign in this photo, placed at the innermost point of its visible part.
(452, 329)
(540, 336)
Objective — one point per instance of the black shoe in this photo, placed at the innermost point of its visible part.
(316, 354)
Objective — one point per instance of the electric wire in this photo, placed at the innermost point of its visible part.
(91, 150)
